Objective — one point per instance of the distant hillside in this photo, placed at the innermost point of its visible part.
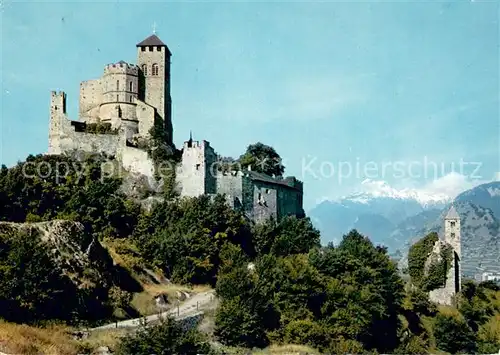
(486, 195)
(480, 229)
(480, 237)
(398, 220)
(387, 215)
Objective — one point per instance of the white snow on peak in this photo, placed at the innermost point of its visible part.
(493, 191)
(371, 189)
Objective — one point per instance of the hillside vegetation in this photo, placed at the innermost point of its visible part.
(76, 251)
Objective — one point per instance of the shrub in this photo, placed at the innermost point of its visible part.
(166, 338)
(453, 334)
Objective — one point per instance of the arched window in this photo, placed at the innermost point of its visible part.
(117, 85)
(130, 86)
(144, 69)
(155, 69)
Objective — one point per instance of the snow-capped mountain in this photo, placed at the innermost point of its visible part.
(376, 189)
(376, 210)
(395, 218)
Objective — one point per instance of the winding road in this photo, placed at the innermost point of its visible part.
(190, 307)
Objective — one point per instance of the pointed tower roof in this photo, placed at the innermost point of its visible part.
(153, 40)
(452, 213)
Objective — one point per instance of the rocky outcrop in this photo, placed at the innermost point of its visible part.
(76, 253)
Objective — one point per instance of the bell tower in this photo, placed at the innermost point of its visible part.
(452, 237)
(153, 60)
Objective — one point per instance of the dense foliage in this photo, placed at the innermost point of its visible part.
(164, 157)
(429, 271)
(275, 282)
(349, 295)
(49, 187)
(417, 256)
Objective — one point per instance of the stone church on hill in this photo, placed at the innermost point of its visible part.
(128, 99)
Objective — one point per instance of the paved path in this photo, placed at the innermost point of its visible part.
(189, 307)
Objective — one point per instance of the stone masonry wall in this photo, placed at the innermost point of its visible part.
(136, 160)
(90, 99)
(289, 201)
(154, 85)
(64, 138)
(265, 201)
(444, 295)
(146, 116)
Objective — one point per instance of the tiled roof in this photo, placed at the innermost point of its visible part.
(269, 179)
(452, 213)
(152, 40)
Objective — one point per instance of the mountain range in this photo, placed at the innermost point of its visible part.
(397, 218)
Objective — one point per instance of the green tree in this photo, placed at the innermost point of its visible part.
(166, 338)
(291, 235)
(453, 335)
(185, 238)
(365, 296)
(263, 159)
(238, 324)
(306, 332)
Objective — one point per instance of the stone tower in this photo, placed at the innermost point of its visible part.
(452, 237)
(452, 285)
(57, 115)
(153, 60)
(197, 169)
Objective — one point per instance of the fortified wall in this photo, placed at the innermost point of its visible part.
(120, 108)
(66, 136)
(258, 195)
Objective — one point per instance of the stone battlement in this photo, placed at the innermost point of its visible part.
(121, 68)
(196, 144)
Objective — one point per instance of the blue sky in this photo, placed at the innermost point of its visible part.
(335, 84)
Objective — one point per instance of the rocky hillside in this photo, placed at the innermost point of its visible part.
(80, 257)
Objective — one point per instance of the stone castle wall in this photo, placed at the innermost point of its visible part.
(442, 295)
(131, 97)
(265, 200)
(90, 99)
(135, 160)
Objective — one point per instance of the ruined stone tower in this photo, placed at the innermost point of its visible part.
(58, 118)
(452, 286)
(153, 59)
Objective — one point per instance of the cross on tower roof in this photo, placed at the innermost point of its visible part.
(154, 27)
